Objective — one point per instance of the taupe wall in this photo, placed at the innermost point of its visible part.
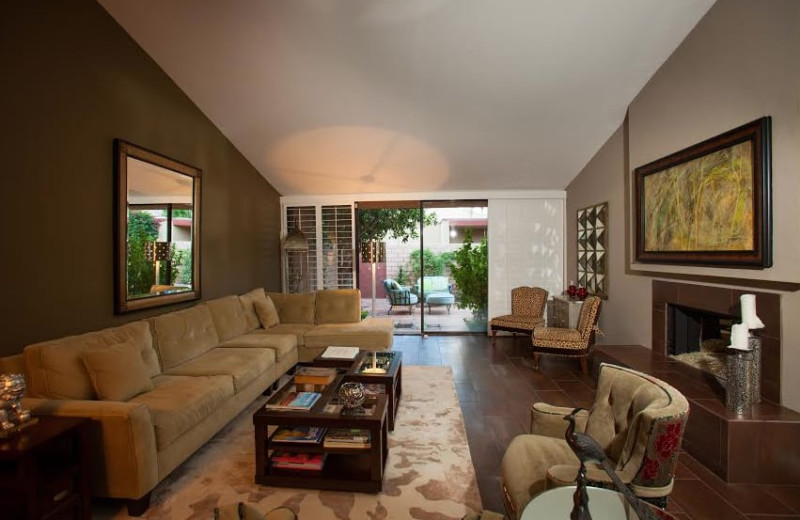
(73, 80)
(741, 62)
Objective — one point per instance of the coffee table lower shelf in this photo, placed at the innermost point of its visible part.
(340, 473)
(359, 470)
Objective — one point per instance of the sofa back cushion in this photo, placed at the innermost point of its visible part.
(184, 335)
(118, 372)
(267, 313)
(338, 306)
(294, 308)
(229, 317)
(56, 370)
(248, 304)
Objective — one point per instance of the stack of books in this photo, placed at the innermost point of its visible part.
(298, 461)
(313, 378)
(347, 438)
(295, 401)
(299, 434)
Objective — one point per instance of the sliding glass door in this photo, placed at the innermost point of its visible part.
(424, 264)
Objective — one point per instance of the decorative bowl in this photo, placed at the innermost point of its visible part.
(352, 394)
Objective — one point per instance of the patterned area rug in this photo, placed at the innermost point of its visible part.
(429, 473)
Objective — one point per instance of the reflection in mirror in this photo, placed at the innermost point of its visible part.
(157, 244)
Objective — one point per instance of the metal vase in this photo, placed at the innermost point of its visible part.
(739, 395)
(755, 346)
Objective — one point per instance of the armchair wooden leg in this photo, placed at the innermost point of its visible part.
(584, 365)
(137, 507)
(536, 360)
(494, 337)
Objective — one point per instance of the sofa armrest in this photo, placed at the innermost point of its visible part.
(548, 420)
(123, 448)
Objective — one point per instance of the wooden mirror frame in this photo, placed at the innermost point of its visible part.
(124, 150)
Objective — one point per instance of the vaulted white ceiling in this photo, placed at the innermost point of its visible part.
(377, 96)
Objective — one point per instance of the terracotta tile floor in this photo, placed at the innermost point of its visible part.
(496, 387)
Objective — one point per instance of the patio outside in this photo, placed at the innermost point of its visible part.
(402, 264)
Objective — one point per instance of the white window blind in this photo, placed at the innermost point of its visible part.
(337, 247)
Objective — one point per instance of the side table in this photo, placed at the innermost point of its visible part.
(44, 470)
(563, 312)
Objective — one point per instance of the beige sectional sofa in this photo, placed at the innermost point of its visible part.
(160, 388)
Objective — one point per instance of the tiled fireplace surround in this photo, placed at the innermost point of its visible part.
(762, 447)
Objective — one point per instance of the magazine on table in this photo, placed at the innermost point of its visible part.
(295, 401)
(299, 434)
(314, 375)
(334, 352)
(347, 438)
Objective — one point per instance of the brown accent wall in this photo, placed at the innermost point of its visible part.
(741, 62)
(73, 80)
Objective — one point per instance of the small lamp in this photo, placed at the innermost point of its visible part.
(295, 241)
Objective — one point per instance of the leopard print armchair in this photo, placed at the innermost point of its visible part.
(569, 342)
(527, 312)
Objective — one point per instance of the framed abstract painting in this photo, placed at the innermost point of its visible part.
(709, 204)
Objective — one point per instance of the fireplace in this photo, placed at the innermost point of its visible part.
(695, 330)
(687, 317)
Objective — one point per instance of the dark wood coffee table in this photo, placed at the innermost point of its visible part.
(345, 469)
(389, 383)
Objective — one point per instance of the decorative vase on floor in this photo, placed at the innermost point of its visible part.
(754, 343)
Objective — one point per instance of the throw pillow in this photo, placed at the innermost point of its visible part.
(118, 372)
(267, 313)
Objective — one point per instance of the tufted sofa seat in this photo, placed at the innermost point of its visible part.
(637, 419)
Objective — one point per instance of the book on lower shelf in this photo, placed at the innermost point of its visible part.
(335, 352)
(347, 438)
(294, 401)
(299, 434)
(297, 461)
(314, 375)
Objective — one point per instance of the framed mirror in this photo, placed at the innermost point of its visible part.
(157, 229)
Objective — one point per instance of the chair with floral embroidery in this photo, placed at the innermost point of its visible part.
(637, 419)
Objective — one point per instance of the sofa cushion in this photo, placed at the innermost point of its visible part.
(56, 369)
(184, 335)
(338, 306)
(178, 403)
(267, 313)
(294, 308)
(243, 364)
(298, 330)
(117, 372)
(284, 345)
(228, 316)
(248, 300)
(370, 334)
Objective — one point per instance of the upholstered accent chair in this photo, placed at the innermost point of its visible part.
(399, 295)
(637, 419)
(569, 342)
(527, 312)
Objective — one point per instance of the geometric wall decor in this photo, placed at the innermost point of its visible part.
(593, 249)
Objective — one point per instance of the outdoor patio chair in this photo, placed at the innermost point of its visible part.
(527, 312)
(399, 295)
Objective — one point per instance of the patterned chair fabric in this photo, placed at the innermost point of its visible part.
(637, 419)
(569, 342)
(399, 295)
(527, 312)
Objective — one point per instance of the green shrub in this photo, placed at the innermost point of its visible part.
(435, 264)
(469, 268)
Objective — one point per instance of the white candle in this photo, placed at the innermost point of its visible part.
(749, 317)
(739, 335)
